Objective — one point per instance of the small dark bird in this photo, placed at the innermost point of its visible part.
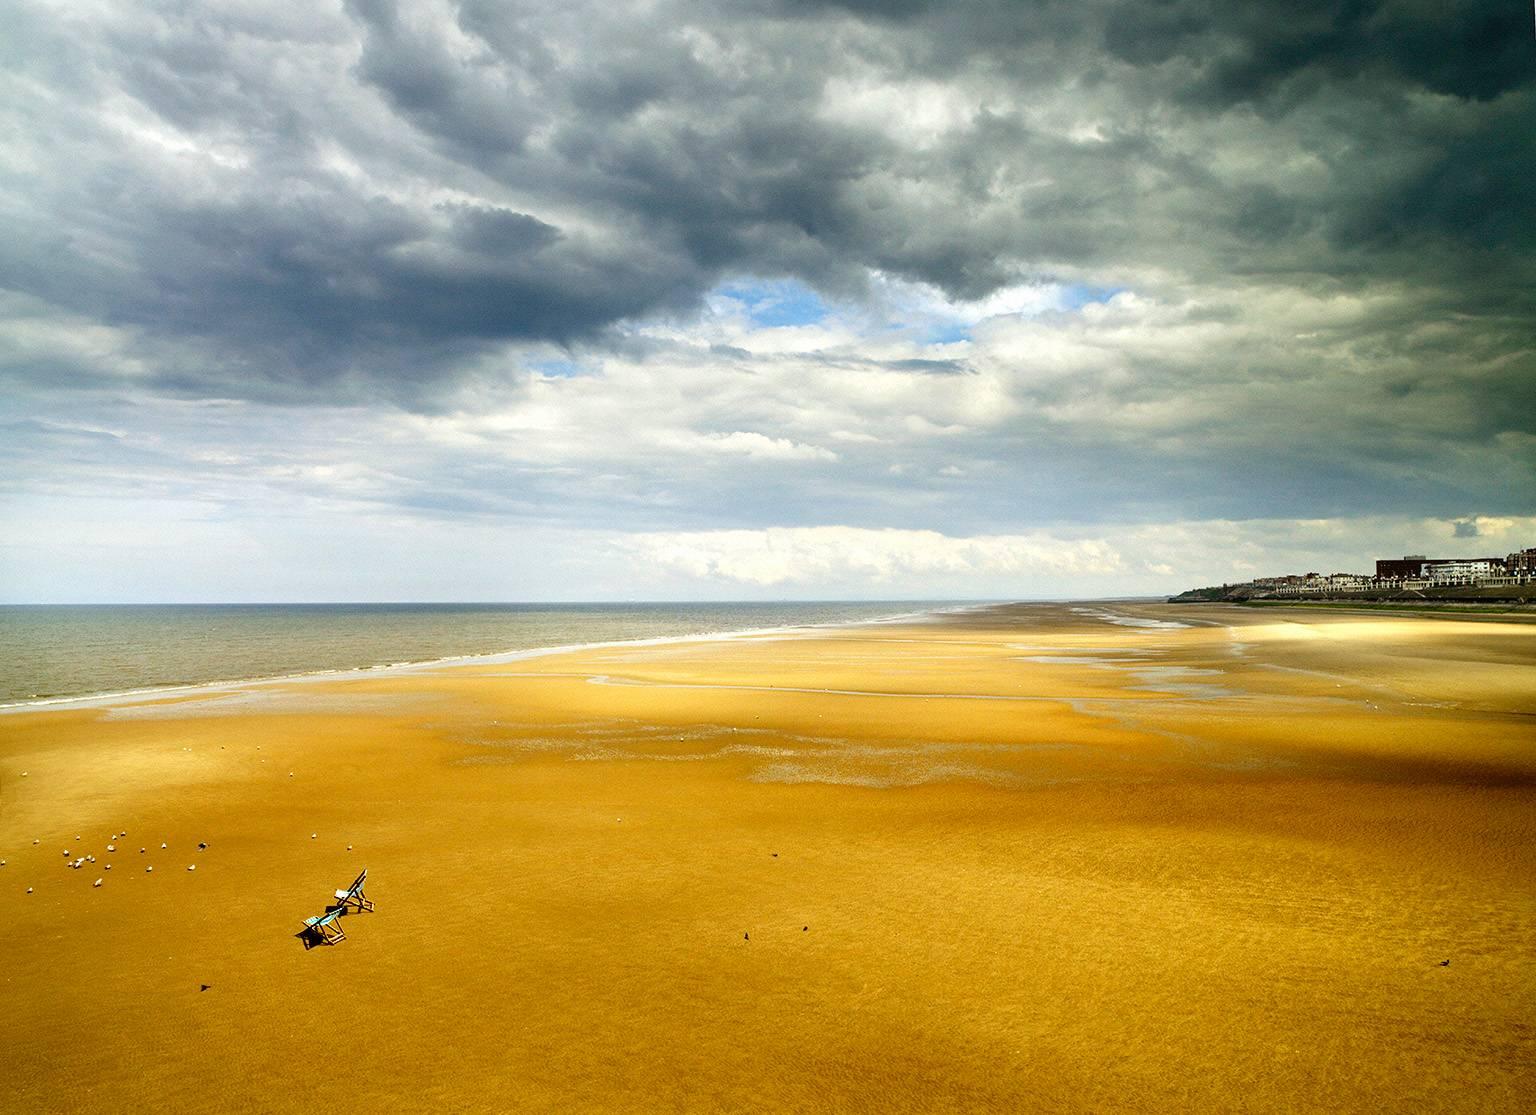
(746, 936)
(201, 847)
(804, 928)
(775, 855)
(204, 986)
(1445, 963)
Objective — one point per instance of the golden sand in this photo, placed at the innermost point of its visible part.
(1025, 860)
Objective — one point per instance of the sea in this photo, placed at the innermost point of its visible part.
(50, 653)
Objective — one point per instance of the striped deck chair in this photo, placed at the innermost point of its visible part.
(353, 897)
(325, 929)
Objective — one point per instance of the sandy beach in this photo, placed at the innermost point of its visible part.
(1043, 857)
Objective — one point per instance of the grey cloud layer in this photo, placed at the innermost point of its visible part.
(376, 189)
(1137, 410)
(1324, 211)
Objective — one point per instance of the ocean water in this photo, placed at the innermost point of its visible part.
(59, 651)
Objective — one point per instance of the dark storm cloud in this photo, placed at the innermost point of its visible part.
(1249, 52)
(471, 107)
(1323, 210)
(378, 191)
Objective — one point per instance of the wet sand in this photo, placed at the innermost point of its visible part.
(1037, 858)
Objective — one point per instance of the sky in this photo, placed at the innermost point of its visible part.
(757, 299)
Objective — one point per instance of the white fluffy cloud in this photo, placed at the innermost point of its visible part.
(827, 555)
(1128, 558)
(345, 547)
(750, 443)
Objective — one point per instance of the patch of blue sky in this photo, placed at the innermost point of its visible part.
(1074, 296)
(947, 333)
(776, 302)
(942, 327)
(555, 367)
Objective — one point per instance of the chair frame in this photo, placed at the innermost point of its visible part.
(353, 897)
(326, 927)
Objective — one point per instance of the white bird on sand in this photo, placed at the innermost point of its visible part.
(111, 847)
(147, 870)
(97, 883)
(107, 867)
(191, 867)
(162, 843)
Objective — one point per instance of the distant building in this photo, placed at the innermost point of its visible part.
(1462, 571)
(1411, 572)
(1395, 569)
(1439, 571)
(1521, 562)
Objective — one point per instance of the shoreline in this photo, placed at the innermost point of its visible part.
(492, 658)
(89, 700)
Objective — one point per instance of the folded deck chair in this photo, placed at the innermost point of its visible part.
(326, 927)
(353, 897)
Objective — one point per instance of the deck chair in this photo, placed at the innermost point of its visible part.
(325, 929)
(353, 897)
